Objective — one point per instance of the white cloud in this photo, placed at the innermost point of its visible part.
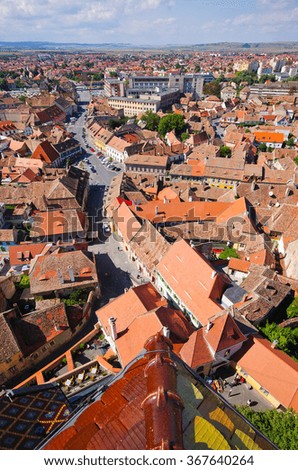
(135, 20)
(164, 21)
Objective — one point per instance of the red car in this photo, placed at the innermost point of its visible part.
(92, 150)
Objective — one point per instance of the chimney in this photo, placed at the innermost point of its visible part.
(213, 274)
(156, 210)
(166, 331)
(288, 192)
(71, 274)
(56, 325)
(253, 186)
(190, 199)
(61, 280)
(113, 328)
(233, 311)
(209, 326)
(274, 344)
(165, 200)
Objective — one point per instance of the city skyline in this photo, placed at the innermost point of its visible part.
(149, 22)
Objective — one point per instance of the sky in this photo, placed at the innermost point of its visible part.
(149, 22)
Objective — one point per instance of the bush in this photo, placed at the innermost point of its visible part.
(77, 297)
(286, 338)
(228, 253)
(281, 428)
(225, 151)
(292, 310)
(171, 122)
(24, 282)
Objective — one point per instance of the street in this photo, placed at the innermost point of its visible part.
(116, 272)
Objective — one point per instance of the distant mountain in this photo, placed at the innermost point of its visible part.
(213, 47)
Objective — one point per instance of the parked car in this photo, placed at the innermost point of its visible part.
(106, 228)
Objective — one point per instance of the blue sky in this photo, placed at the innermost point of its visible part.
(155, 22)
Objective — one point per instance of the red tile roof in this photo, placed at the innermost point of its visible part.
(128, 306)
(224, 333)
(200, 287)
(22, 254)
(274, 370)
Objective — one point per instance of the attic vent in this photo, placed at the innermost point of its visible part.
(86, 270)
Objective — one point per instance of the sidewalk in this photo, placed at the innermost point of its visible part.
(239, 394)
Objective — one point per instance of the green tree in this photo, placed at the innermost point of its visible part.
(228, 253)
(296, 160)
(266, 77)
(171, 122)
(281, 428)
(3, 84)
(225, 151)
(292, 310)
(152, 120)
(286, 338)
(113, 74)
(290, 142)
(184, 136)
(212, 88)
(97, 76)
(262, 147)
(24, 282)
(245, 76)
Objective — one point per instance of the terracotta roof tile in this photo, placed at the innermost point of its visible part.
(281, 381)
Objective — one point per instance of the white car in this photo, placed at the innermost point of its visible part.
(106, 228)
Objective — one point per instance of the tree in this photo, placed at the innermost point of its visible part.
(266, 77)
(262, 147)
(228, 253)
(171, 122)
(225, 151)
(3, 84)
(152, 120)
(24, 282)
(286, 338)
(245, 76)
(290, 142)
(184, 136)
(292, 310)
(296, 160)
(212, 88)
(281, 428)
(97, 76)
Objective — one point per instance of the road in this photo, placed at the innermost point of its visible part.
(101, 177)
(219, 130)
(110, 258)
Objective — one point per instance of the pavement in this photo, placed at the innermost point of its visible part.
(238, 395)
(116, 271)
